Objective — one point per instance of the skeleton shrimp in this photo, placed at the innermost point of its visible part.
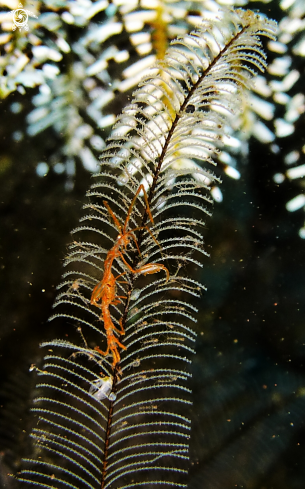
(105, 290)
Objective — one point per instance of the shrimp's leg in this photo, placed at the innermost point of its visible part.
(115, 301)
(152, 268)
(116, 221)
(122, 327)
(149, 268)
(120, 331)
(141, 188)
(149, 231)
(104, 353)
(111, 345)
(116, 356)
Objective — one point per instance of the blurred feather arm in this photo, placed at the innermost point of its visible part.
(106, 423)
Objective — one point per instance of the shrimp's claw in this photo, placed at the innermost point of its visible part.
(97, 294)
(153, 268)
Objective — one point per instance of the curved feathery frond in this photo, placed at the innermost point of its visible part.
(119, 419)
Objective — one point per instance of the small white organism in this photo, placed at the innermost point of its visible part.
(101, 389)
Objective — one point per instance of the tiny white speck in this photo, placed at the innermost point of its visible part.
(277, 47)
(217, 194)
(16, 107)
(297, 203)
(275, 149)
(280, 66)
(263, 108)
(97, 142)
(63, 45)
(138, 66)
(281, 98)
(68, 18)
(291, 157)
(278, 178)
(121, 56)
(59, 168)
(302, 233)
(50, 71)
(291, 79)
(106, 121)
(297, 172)
(262, 133)
(42, 169)
(17, 136)
(283, 128)
(88, 159)
(232, 172)
(285, 4)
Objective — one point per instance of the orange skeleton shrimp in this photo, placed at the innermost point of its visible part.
(105, 290)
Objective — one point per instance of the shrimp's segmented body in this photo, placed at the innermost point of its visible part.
(104, 293)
